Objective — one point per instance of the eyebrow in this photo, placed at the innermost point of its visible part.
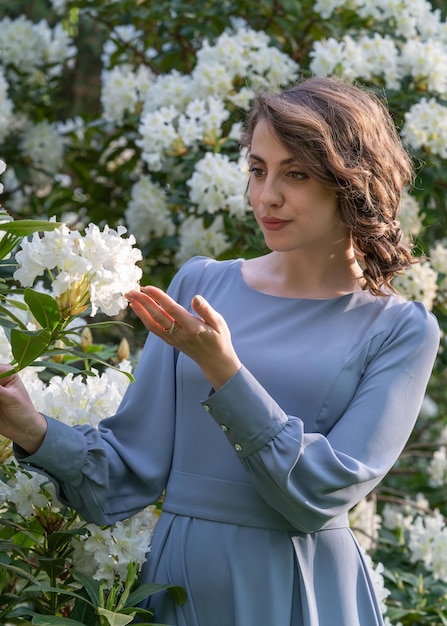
(288, 161)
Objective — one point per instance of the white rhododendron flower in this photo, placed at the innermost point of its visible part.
(24, 491)
(428, 543)
(426, 126)
(219, 184)
(366, 523)
(43, 144)
(409, 18)
(418, 282)
(182, 110)
(195, 239)
(425, 62)
(105, 554)
(74, 400)
(27, 46)
(6, 107)
(376, 573)
(97, 266)
(366, 58)
(147, 212)
(437, 468)
(2, 169)
(410, 216)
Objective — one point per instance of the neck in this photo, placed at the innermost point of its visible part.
(295, 274)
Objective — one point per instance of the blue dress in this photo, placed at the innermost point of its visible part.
(260, 475)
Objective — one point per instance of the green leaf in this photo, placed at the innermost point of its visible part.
(116, 619)
(7, 244)
(46, 588)
(90, 585)
(178, 593)
(27, 345)
(43, 307)
(48, 620)
(24, 228)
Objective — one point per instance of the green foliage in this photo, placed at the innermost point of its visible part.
(40, 586)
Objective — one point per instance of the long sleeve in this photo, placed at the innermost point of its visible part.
(110, 473)
(309, 477)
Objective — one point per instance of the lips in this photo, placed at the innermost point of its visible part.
(274, 223)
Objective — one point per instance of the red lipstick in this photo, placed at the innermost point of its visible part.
(274, 223)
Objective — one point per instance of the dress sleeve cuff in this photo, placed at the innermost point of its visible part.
(62, 453)
(246, 413)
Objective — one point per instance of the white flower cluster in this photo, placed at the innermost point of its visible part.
(27, 48)
(75, 401)
(59, 6)
(425, 532)
(27, 491)
(101, 553)
(147, 212)
(378, 56)
(2, 169)
(123, 88)
(418, 282)
(437, 468)
(401, 516)
(104, 554)
(438, 260)
(98, 265)
(6, 107)
(180, 113)
(182, 110)
(219, 184)
(376, 572)
(428, 543)
(196, 239)
(365, 523)
(364, 58)
(43, 144)
(410, 215)
(426, 127)
(409, 18)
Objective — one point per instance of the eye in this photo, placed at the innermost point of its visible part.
(297, 175)
(256, 171)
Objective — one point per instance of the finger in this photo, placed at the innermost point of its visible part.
(154, 318)
(171, 309)
(209, 315)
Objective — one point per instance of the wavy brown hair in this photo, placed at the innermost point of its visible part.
(344, 137)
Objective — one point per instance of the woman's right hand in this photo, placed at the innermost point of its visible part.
(19, 419)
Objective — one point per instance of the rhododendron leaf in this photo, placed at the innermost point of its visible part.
(27, 345)
(43, 307)
(24, 228)
(49, 620)
(178, 593)
(90, 585)
(116, 619)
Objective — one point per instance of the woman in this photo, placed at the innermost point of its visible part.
(276, 400)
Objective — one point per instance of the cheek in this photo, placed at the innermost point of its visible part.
(252, 194)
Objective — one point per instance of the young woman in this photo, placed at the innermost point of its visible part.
(273, 394)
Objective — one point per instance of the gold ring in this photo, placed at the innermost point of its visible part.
(172, 328)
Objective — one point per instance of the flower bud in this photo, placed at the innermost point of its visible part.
(59, 345)
(74, 301)
(123, 350)
(86, 338)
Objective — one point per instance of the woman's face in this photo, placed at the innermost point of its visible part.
(293, 210)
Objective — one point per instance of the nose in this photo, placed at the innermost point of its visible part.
(270, 194)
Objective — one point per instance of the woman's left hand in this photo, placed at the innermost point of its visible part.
(204, 337)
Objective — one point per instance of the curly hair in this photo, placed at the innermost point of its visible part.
(346, 139)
